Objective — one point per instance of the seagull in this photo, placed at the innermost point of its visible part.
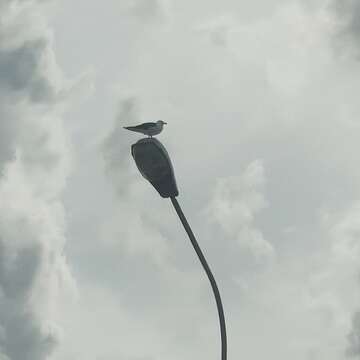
(150, 128)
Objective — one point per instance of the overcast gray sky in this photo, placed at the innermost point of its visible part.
(261, 99)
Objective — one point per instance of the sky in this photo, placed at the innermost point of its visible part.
(261, 101)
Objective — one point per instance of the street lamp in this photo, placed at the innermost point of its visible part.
(154, 164)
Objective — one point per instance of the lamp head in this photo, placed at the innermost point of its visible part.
(154, 164)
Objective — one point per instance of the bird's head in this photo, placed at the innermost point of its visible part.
(160, 122)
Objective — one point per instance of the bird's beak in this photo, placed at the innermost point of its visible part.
(165, 123)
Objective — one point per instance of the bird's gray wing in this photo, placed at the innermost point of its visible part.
(144, 126)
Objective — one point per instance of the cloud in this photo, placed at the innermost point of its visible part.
(116, 147)
(148, 9)
(342, 272)
(7, 143)
(34, 163)
(354, 337)
(218, 30)
(348, 22)
(346, 233)
(33, 269)
(21, 71)
(234, 204)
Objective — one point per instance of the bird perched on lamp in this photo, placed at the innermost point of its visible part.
(149, 128)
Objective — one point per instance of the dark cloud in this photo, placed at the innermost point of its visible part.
(8, 131)
(35, 343)
(23, 79)
(348, 13)
(354, 337)
(21, 71)
(23, 336)
(17, 276)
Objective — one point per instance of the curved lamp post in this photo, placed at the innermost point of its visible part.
(154, 164)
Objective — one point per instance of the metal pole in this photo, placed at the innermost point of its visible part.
(209, 275)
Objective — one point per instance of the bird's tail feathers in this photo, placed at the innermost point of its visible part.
(132, 128)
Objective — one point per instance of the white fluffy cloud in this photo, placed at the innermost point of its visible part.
(34, 162)
(234, 204)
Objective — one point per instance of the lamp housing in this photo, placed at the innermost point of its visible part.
(154, 164)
